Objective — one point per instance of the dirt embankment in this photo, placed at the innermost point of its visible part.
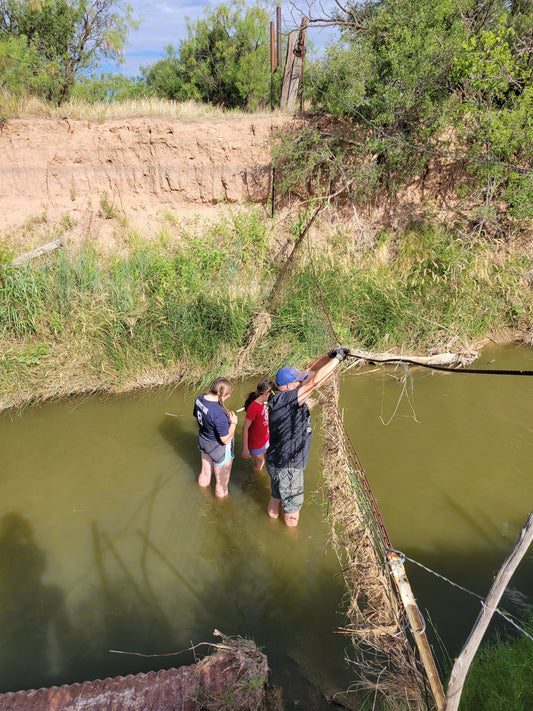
(94, 181)
(79, 173)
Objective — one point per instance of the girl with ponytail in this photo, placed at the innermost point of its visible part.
(216, 437)
(255, 434)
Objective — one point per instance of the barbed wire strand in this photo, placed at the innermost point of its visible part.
(506, 615)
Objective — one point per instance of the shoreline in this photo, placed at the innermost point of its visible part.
(168, 379)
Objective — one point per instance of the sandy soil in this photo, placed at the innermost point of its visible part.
(74, 174)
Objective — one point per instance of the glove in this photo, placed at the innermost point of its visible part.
(341, 353)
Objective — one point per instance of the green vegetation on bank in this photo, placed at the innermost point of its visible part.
(180, 307)
(419, 84)
(501, 676)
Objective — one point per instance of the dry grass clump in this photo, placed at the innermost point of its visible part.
(233, 678)
(78, 109)
(384, 659)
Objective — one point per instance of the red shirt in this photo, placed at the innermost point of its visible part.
(257, 412)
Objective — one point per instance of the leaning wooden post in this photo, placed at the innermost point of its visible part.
(464, 660)
(418, 627)
(303, 34)
(56, 244)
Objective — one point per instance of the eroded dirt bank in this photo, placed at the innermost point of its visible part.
(64, 170)
(90, 180)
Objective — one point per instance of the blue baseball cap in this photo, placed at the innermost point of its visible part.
(289, 375)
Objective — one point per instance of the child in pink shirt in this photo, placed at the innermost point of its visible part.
(255, 434)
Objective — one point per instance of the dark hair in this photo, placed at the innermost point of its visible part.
(262, 387)
(221, 387)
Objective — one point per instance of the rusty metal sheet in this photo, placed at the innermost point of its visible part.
(157, 691)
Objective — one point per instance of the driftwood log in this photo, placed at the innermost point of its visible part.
(450, 360)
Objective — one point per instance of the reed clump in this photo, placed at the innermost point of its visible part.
(180, 307)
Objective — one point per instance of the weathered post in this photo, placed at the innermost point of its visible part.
(272, 64)
(293, 67)
(303, 36)
(418, 627)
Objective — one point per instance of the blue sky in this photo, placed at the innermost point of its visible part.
(163, 23)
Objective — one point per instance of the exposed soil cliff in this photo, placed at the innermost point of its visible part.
(102, 181)
(54, 171)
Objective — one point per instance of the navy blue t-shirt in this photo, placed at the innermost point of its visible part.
(290, 431)
(213, 420)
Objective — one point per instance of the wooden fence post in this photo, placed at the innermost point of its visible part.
(418, 627)
(293, 67)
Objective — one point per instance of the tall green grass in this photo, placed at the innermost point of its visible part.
(185, 306)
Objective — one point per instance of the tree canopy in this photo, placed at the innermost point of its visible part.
(417, 80)
(49, 43)
(224, 60)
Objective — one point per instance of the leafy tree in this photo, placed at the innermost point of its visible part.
(65, 38)
(167, 77)
(395, 68)
(493, 118)
(411, 80)
(389, 77)
(223, 61)
(16, 65)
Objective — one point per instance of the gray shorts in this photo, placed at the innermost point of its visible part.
(287, 485)
(219, 453)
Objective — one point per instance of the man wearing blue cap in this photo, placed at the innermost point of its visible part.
(290, 432)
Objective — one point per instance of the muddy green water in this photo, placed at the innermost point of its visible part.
(107, 543)
(450, 460)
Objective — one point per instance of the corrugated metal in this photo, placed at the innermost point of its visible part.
(232, 671)
(157, 691)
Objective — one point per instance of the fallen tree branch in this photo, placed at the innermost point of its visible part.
(56, 244)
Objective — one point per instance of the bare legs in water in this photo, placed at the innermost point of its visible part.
(222, 474)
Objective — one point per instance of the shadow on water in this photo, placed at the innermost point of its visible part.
(183, 440)
(33, 619)
(125, 615)
(121, 614)
(255, 597)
